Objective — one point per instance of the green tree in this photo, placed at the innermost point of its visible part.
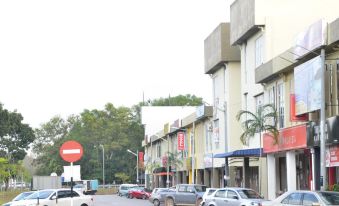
(264, 120)
(15, 136)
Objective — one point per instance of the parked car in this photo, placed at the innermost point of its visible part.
(158, 195)
(186, 194)
(300, 197)
(60, 197)
(139, 193)
(123, 189)
(19, 197)
(234, 196)
(208, 192)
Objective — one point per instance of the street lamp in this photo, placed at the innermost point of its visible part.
(136, 154)
(103, 166)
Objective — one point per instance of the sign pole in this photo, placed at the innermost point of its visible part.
(71, 183)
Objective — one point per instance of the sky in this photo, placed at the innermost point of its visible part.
(61, 57)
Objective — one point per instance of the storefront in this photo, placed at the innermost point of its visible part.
(289, 162)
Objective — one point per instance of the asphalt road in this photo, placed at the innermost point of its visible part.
(115, 200)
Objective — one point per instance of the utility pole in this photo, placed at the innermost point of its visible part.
(323, 175)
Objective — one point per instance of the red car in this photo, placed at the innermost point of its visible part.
(138, 193)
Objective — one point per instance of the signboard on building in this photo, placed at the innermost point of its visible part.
(288, 139)
(310, 39)
(332, 156)
(181, 141)
(307, 86)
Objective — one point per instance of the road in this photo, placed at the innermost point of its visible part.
(115, 200)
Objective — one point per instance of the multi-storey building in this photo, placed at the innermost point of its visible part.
(265, 31)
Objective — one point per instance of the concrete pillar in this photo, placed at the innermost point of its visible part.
(215, 180)
(271, 176)
(245, 172)
(291, 171)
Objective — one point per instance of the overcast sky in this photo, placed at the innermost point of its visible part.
(61, 57)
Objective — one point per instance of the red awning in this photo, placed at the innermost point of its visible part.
(163, 173)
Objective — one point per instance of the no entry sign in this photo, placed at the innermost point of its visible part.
(71, 151)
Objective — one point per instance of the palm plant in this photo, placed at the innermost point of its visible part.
(264, 120)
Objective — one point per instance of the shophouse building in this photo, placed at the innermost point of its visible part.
(269, 33)
(234, 164)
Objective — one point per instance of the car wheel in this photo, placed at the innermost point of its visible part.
(156, 202)
(169, 202)
(131, 196)
(144, 197)
(84, 205)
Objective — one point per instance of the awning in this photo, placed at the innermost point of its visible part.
(255, 152)
(163, 173)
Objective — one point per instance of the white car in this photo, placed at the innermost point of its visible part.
(56, 197)
(305, 197)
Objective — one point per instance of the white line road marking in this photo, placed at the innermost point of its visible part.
(71, 151)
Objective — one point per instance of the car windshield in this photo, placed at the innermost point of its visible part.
(40, 194)
(200, 188)
(22, 196)
(331, 198)
(248, 194)
(210, 191)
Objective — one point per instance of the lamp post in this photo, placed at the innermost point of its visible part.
(136, 154)
(103, 166)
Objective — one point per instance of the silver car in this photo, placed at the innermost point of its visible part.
(301, 197)
(234, 196)
(158, 195)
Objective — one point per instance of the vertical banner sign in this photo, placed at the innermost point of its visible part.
(181, 141)
(141, 160)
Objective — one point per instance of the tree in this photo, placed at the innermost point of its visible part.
(264, 120)
(15, 136)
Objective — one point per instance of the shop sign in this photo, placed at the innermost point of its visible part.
(181, 141)
(288, 139)
(332, 156)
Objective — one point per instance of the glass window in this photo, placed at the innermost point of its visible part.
(200, 188)
(248, 194)
(259, 101)
(309, 199)
(190, 188)
(331, 198)
(220, 193)
(63, 194)
(182, 188)
(41, 194)
(259, 51)
(231, 194)
(216, 133)
(281, 105)
(292, 199)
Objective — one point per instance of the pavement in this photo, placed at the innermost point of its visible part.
(115, 200)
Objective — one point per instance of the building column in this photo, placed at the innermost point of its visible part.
(291, 171)
(245, 172)
(271, 176)
(215, 180)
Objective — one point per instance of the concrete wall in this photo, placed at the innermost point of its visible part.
(218, 49)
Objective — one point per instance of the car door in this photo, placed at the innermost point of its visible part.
(220, 197)
(292, 199)
(232, 198)
(190, 195)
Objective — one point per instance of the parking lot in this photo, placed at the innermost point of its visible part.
(110, 200)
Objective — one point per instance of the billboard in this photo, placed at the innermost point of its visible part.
(307, 86)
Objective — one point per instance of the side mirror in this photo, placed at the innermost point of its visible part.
(235, 197)
(53, 197)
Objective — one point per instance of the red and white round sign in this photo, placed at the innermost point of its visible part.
(71, 151)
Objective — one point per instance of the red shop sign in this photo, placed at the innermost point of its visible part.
(332, 156)
(181, 141)
(288, 139)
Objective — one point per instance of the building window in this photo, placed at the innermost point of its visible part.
(281, 104)
(216, 137)
(259, 101)
(259, 51)
(271, 96)
(158, 154)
